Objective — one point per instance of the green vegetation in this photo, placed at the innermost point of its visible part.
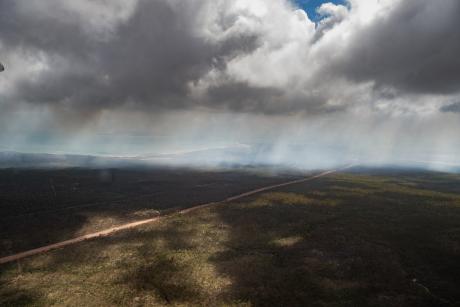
(40, 207)
(364, 238)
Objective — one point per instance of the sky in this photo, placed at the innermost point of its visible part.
(304, 83)
(310, 7)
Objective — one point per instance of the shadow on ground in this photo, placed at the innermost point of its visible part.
(345, 240)
(40, 207)
(352, 241)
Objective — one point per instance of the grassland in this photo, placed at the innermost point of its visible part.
(362, 238)
(43, 206)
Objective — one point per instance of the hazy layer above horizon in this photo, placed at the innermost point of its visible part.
(303, 83)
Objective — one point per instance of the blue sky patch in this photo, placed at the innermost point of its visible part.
(310, 6)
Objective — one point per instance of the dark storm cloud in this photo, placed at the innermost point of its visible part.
(156, 56)
(451, 108)
(414, 48)
(149, 60)
(242, 96)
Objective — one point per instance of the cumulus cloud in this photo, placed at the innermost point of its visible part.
(410, 45)
(331, 15)
(87, 65)
(146, 58)
(262, 56)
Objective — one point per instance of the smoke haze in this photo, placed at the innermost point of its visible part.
(255, 81)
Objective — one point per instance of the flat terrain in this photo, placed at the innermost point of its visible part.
(360, 238)
(40, 207)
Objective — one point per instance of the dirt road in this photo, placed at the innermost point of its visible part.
(110, 231)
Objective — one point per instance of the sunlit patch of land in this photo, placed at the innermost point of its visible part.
(361, 238)
(43, 206)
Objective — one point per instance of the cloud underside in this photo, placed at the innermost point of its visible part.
(260, 57)
(453, 108)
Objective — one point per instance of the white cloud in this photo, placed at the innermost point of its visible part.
(370, 64)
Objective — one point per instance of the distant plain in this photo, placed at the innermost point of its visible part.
(364, 237)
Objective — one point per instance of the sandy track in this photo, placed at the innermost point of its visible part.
(110, 231)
